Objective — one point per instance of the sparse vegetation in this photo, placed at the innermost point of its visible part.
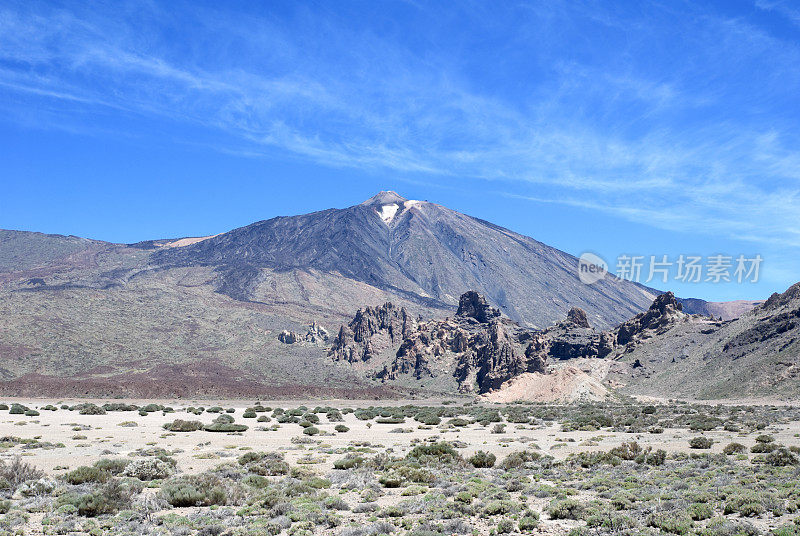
(552, 469)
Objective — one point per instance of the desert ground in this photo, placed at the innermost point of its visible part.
(400, 467)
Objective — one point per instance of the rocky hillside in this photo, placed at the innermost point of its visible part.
(757, 354)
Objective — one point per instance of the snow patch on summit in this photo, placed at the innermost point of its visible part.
(387, 212)
(390, 211)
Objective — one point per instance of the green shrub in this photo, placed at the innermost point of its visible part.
(745, 504)
(428, 419)
(441, 450)
(656, 458)
(499, 507)
(179, 425)
(701, 442)
(565, 509)
(700, 511)
(198, 490)
(627, 451)
(341, 428)
(458, 422)
(224, 423)
(675, 522)
(765, 438)
(311, 430)
(518, 459)
(505, 526)
(763, 448)
(112, 466)
(264, 463)
(734, 448)
(529, 522)
(348, 462)
(89, 409)
(110, 498)
(781, 457)
(482, 459)
(84, 474)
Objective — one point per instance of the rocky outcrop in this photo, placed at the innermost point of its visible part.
(478, 347)
(288, 337)
(578, 317)
(664, 312)
(372, 331)
(473, 305)
(483, 350)
(315, 334)
(777, 300)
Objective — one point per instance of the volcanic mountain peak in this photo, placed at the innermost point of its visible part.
(389, 205)
(420, 251)
(386, 197)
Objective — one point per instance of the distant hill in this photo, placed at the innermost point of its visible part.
(725, 310)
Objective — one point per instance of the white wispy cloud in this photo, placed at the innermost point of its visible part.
(656, 149)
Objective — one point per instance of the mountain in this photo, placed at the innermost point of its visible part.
(213, 315)
(422, 251)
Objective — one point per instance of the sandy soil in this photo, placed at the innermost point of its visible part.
(567, 384)
(87, 438)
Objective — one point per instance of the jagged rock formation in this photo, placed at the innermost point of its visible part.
(478, 347)
(483, 350)
(578, 317)
(473, 305)
(316, 334)
(664, 312)
(372, 330)
(288, 337)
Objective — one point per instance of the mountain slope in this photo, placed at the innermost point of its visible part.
(419, 250)
(757, 354)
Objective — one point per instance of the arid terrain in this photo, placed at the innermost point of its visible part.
(407, 468)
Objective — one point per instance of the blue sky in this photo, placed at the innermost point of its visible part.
(619, 128)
